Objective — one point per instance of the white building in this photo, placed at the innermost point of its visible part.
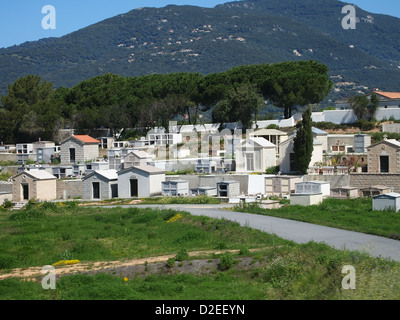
(163, 139)
(313, 187)
(204, 191)
(228, 189)
(140, 182)
(281, 185)
(175, 188)
(256, 184)
(100, 185)
(96, 166)
(135, 158)
(287, 161)
(25, 152)
(255, 155)
(387, 201)
(272, 135)
(306, 199)
(79, 149)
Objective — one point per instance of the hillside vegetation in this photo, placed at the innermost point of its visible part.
(208, 40)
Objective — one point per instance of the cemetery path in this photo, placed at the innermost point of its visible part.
(297, 231)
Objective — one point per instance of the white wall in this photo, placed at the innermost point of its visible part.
(148, 185)
(256, 184)
(347, 116)
(385, 204)
(306, 199)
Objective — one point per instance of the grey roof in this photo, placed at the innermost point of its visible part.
(258, 140)
(394, 141)
(389, 194)
(390, 141)
(149, 169)
(110, 174)
(139, 154)
(318, 131)
(267, 132)
(378, 187)
(39, 174)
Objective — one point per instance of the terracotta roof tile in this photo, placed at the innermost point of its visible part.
(86, 139)
(389, 95)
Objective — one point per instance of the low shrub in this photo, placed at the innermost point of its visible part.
(48, 206)
(182, 255)
(226, 261)
(170, 262)
(26, 214)
(7, 205)
(365, 125)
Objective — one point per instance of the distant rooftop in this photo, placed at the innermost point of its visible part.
(39, 174)
(86, 139)
(110, 174)
(389, 95)
(268, 132)
(318, 131)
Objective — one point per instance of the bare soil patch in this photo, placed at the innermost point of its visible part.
(129, 268)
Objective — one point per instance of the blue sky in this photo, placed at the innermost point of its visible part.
(21, 20)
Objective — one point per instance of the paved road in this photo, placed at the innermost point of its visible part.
(299, 232)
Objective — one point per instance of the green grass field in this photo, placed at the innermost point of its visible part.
(46, 233)
(349, 214)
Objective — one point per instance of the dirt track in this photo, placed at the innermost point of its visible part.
(29, 274)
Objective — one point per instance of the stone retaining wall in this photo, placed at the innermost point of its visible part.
(364, 180)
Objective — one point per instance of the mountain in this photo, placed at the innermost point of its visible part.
(207, 40)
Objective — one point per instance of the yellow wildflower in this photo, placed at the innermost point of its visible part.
(66, 262)
(175, 218)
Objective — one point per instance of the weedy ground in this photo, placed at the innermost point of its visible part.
(46, 233)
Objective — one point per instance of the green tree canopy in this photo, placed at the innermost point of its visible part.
(299, 83)
(359, 104)
(303, 142)
(240, 103)
(29, 110)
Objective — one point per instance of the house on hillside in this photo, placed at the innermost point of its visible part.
(383, 156)
(89, 167)
(136, 158)
(141, 181)
(100, 185)
(25, 152)
(272, 135)
(287, 161)
(34, 184)
(47, 154)
(255, 155)
(79, 149)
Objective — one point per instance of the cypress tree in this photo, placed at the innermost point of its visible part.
(303, 142)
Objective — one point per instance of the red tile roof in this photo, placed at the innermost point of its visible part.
(86, 139)
(389, 95)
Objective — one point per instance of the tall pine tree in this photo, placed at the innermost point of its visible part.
(303, 143)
